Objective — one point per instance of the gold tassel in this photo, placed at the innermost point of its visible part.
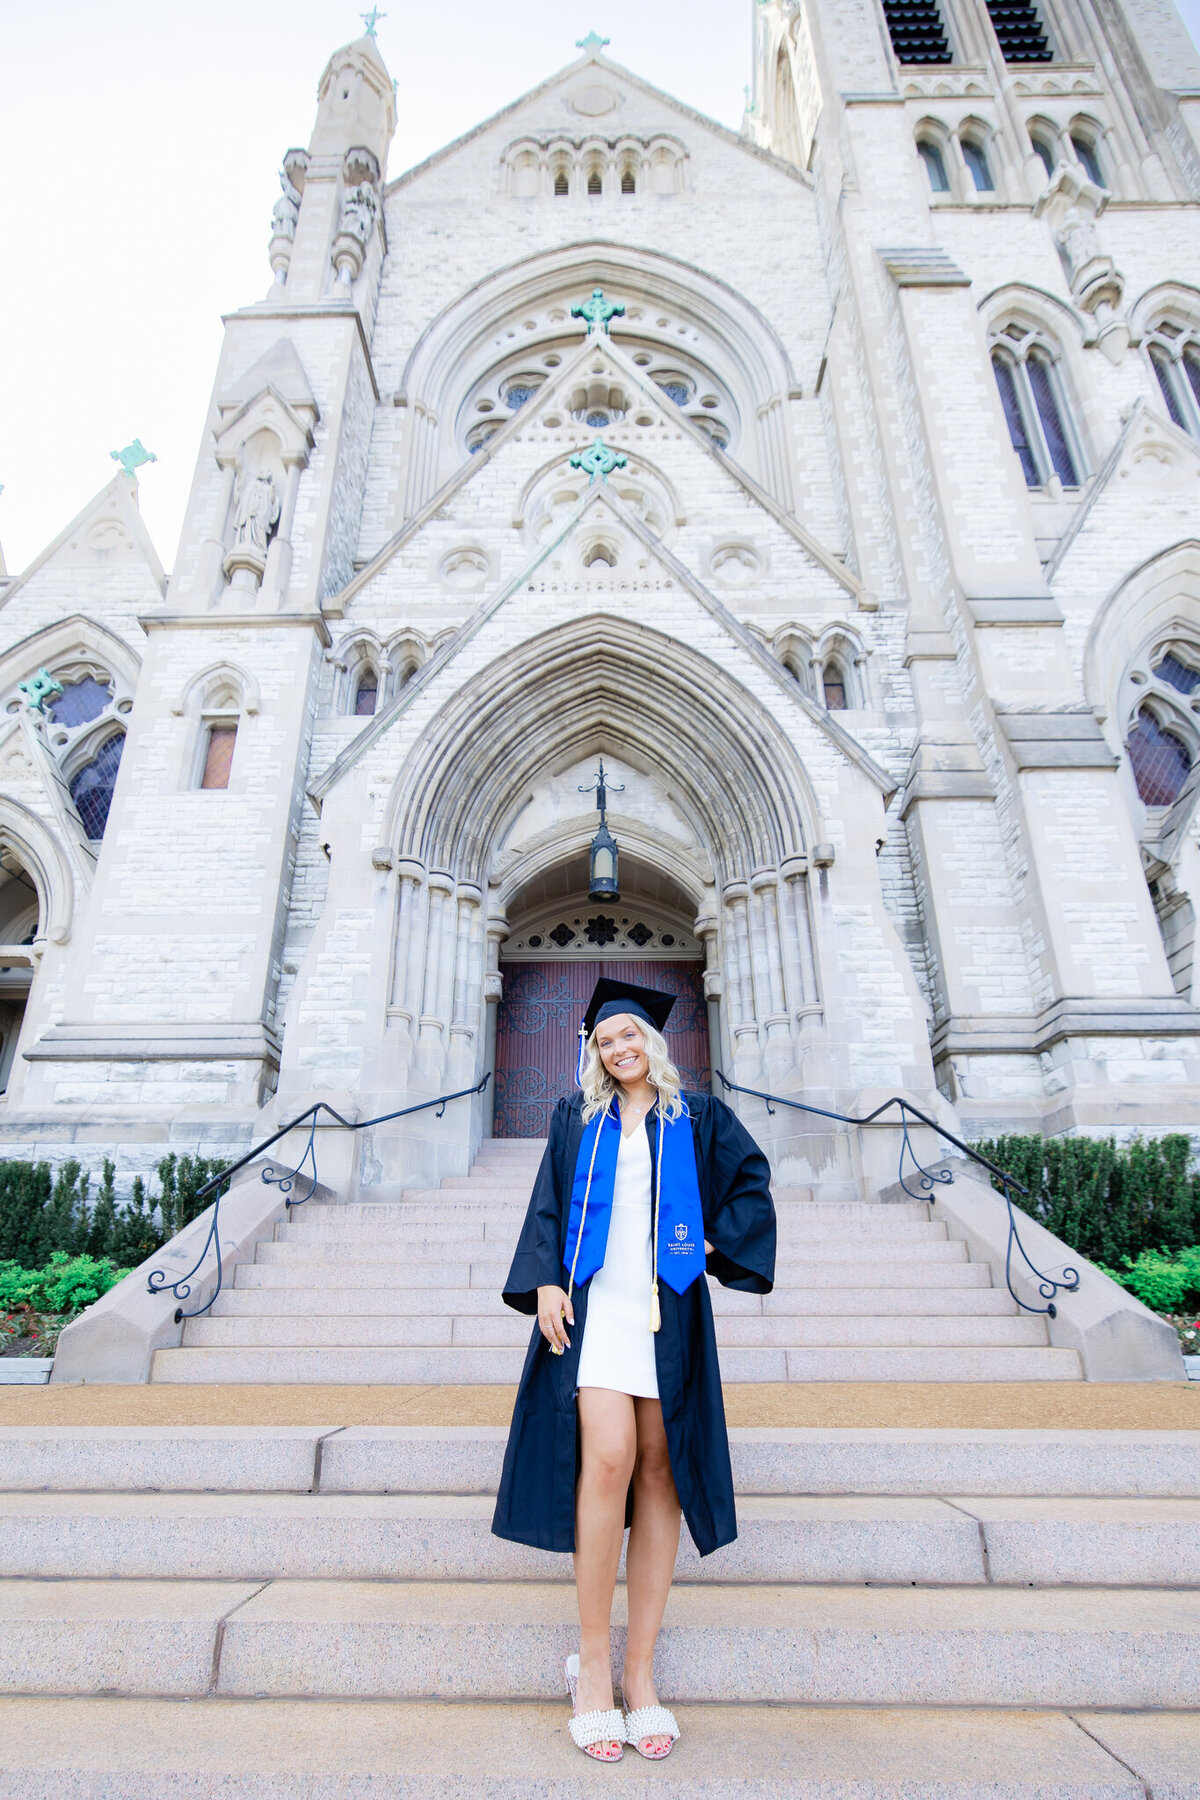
(655, 1313)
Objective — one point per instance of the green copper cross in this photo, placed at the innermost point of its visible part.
(598, 311)
(592, 42)
(132, 457)
(371, 19)
(38, 689)
(599, 460)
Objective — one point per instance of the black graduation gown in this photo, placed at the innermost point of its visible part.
(536, 1502)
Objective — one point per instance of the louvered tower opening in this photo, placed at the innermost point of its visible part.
(1020, 31)
(918, 34)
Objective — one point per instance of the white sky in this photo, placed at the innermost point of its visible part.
(139, 145)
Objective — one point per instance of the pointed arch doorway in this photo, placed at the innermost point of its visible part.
(554, 956)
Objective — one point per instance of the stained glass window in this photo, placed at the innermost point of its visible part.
(1085, 150)
(517, 394)
(80, 701)
(1159, 760)
(675, 390)
(1006, 382)
(976, 160)
(834, 684)
(1190, 361)
(1041, 383)
(935, 166)
(596, 419)
(1166, 381)
(92, 787)
(1178, 674)
(366, 694)
(218, 757)
(1045, 153)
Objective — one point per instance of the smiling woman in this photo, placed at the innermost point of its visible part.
(642, 1188)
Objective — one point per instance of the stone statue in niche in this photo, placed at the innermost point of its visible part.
(257, 512)
(1078, 240)
(360, 210)
(287, 208)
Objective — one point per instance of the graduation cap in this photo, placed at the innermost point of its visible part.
(611, 998)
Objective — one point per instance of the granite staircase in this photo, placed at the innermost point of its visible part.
(408, 1292)
(942, 1614)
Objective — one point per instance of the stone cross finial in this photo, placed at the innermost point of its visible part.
(598, 459)
(132, 457)
(38, 689)
(598, 311)
(371, 19)
(593, 41)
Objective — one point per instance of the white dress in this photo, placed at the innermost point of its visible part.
(618, 1344)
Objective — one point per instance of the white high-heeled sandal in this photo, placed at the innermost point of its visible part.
(592, 1728)
(647, 1722)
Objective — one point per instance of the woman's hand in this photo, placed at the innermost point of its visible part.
(553, 1307)
(707, 1248)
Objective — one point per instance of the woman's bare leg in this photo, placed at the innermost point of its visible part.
(650, 1557)
(608, 1444)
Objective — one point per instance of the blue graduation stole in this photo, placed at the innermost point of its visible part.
(679, 1249)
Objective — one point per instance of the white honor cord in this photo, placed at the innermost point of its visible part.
(655, 1311)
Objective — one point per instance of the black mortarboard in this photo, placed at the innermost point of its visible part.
(609, 998)
(612, 997)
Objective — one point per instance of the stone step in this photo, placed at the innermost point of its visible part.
(480, 1238)
(465, 1459)
(332, 1226)
(479, 1640)
(393, 1255)
(108, 1748)
(490, 1276)
(509, 1328)
(438, 1537)
(337, 1302)
(415, 1366)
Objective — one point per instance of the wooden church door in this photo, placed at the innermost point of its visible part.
(537, 1032)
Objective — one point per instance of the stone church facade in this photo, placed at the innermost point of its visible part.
(837, 482)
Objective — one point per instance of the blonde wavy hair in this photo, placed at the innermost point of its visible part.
(599, 1086)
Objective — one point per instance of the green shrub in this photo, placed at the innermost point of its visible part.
(17, 1286)
(66, 1285)
(24, 1195)
(1108, 1202)
(1164, 1283)
(41, 1215)
(69, 1283)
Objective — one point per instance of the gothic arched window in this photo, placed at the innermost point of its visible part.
(1160, 761)
(935, 165)
(562, 181)
(219, 745)
(366, 692)
(628, 180)
(80, 702)
(976, 159)
(1175, 357)
(1085, 141)
(1032, 398)
(833, 685)
(92, 785)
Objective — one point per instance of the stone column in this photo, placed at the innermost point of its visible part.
(493, 991)
(409, 932)
(768, 960)
(468, 979)
(743, 1024)
(278, 571)
(706, 929)
(438, 976)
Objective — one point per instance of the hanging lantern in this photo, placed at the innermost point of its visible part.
(603, 882)
(602, 862)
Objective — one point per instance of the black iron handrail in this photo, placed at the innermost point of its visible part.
(157, 1281)
(1047, 1285)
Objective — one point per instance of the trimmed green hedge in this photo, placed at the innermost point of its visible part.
(41, 1215)
(66, 1285)
(1108, 1201)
